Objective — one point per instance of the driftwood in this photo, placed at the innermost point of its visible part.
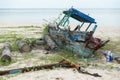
(6, 53)
(63, 63)
(34, 68)
(50, 42)
(23, 47)
(76, 66)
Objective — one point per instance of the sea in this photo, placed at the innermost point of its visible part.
(106, 17)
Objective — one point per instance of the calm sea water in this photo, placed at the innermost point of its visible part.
(109, 17)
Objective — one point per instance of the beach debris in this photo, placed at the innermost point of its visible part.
(76, 66)
(50, 43)
(117, 59)
(111, 56)
(63, 63)
(34, 68)
(118, 68)
(23, 46)
(38, 42)
(6, 53)
(59, 78)
(91, 59)
(79, 41)
(102, 43)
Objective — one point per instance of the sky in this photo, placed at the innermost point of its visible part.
(59, 3)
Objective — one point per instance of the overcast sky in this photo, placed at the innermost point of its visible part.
(59, 3)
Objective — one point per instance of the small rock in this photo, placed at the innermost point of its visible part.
(59, 78)
(74, 70)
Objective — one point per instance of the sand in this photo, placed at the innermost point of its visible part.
(14, 24)
(102, 31)
(103, 68)
(110, 32)
(67, 74)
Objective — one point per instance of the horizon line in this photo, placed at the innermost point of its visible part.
(59, 8)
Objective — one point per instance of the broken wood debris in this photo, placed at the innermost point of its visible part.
(50, 43)
(34, 68)
(23, 47)
(79, 68)
(63, 63)
(6, 53)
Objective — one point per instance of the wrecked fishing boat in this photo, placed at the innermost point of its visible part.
(80, 42)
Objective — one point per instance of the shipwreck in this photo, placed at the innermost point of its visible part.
(80, 42)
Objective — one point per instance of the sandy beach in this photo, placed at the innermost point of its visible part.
(108, 32)
(103, 68)
(28, 52)
(14, 24)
